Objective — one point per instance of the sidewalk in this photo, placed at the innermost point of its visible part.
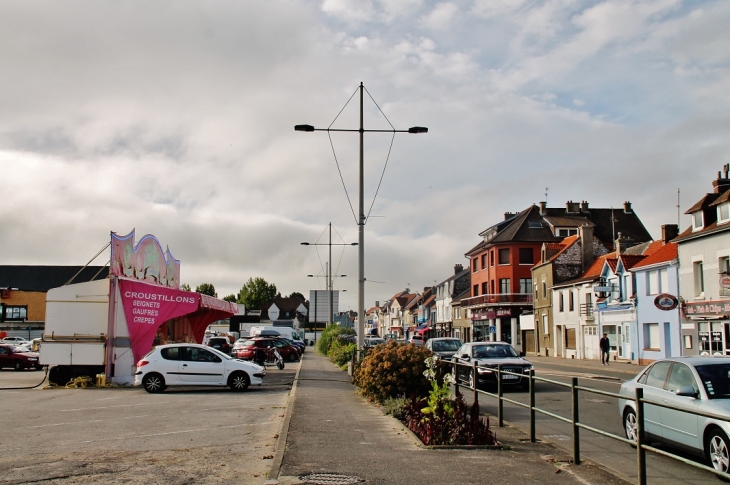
(617, 368)
(330, 429)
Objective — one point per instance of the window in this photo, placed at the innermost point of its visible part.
(536, 295)
(484, 261)
(544, 289)
(491, 258)
(663, 281)
(681, 376)
(651, 336)
(504, 286)
(504, 256)
(699, 279)
(652, 283)
(493, 287)
(725, 265)
(474, 265)
(526, 256)
(627, 287)
(560, 301)
(525, 286)
(567, 232)
(697, 223)
(485, 290)
(15, 313)
(658, 374)
(475, 290)
(570, 301)
(723, 212)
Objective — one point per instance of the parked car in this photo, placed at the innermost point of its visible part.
(248, 348)
(687, 384)
(194, 365)
(369, 342)
(14, 356)
(298, 344)
(444, 347)
(13, 340)
(416, 340)
(488, 355)
(220, 343)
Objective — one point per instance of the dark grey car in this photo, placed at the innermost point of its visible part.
(444, 347)
(488, 356)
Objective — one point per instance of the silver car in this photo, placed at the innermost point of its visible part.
(689, 384)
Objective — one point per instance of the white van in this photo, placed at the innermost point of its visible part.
(287, 332)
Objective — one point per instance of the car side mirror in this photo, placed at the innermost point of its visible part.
(688, 391)
(465, 356)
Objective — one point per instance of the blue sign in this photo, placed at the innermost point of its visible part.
(492, 329)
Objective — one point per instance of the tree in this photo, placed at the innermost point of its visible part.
(206, 289)
(256, 292)
(231, 298)
(296, 294)
(185, 287)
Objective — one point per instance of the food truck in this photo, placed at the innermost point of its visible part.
(107, 326)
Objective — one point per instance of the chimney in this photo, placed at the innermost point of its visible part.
(627, 207)
(377, 303)
(458, 268)
(586, 244)
(508, 215)
(543, 208)
(723, 182)
(617, 243)
(584, 206)
(669, 232)
(572, 207)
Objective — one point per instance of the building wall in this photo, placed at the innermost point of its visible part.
(542, 308)
(35, 301)
(668, 322)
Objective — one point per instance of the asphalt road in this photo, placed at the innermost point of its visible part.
(125, 435)
(597, 411)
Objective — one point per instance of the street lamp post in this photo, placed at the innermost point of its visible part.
(330, 316)
(361, 211)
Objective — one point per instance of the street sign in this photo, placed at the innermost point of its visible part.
(492, 329)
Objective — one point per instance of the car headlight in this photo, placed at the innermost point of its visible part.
(485, 371)
(528, 368)
(31, 359)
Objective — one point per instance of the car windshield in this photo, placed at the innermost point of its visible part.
(493, 351)
(446, 345)
(376, 341)
(716, 379)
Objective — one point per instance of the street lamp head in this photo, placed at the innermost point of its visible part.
(413, 129)
(354, 244)
(305, 244)
(303, 128)
(310, 275)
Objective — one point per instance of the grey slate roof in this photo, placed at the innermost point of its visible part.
(43, 278)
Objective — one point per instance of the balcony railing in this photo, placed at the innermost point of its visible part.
(498, 299)
(586, 310)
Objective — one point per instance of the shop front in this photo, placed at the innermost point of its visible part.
(712, 323)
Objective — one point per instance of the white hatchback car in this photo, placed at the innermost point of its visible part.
(194, 365)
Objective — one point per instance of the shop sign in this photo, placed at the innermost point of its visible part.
(665, 301)
(144, 262)
(725, 282)
(503, 312)
(714, 308)
(479, 316)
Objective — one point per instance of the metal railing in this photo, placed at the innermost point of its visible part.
(574, 420)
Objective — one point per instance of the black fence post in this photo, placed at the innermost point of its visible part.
(576, 429)
(500, 403)
(476, 383)
(532, 406)
(640, 451)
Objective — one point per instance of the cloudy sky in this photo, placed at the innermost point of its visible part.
(175, 118)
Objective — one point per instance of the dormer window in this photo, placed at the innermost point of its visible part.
(697, 221)
(723, 213)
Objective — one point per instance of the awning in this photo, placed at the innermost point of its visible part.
(421, 329)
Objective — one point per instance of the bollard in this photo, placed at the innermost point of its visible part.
(640, 451)
(476, 383)
(576, 429)
(500, 403)
(532, 406)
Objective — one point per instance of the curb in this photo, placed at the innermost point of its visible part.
(275, 469)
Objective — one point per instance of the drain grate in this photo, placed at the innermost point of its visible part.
(329, 479)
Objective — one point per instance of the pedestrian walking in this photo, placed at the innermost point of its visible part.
(605, 346)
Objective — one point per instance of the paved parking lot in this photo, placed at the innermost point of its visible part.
(125, 435)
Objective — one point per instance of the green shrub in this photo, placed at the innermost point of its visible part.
(329, 335)
(396, 407)
(341, 352)
(393, 370)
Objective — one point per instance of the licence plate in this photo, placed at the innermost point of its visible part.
(509, 376)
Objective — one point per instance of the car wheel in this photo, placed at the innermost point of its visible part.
(630, 424)
(239, 381)
(153, 383)
(17, 365)
(717, 450)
